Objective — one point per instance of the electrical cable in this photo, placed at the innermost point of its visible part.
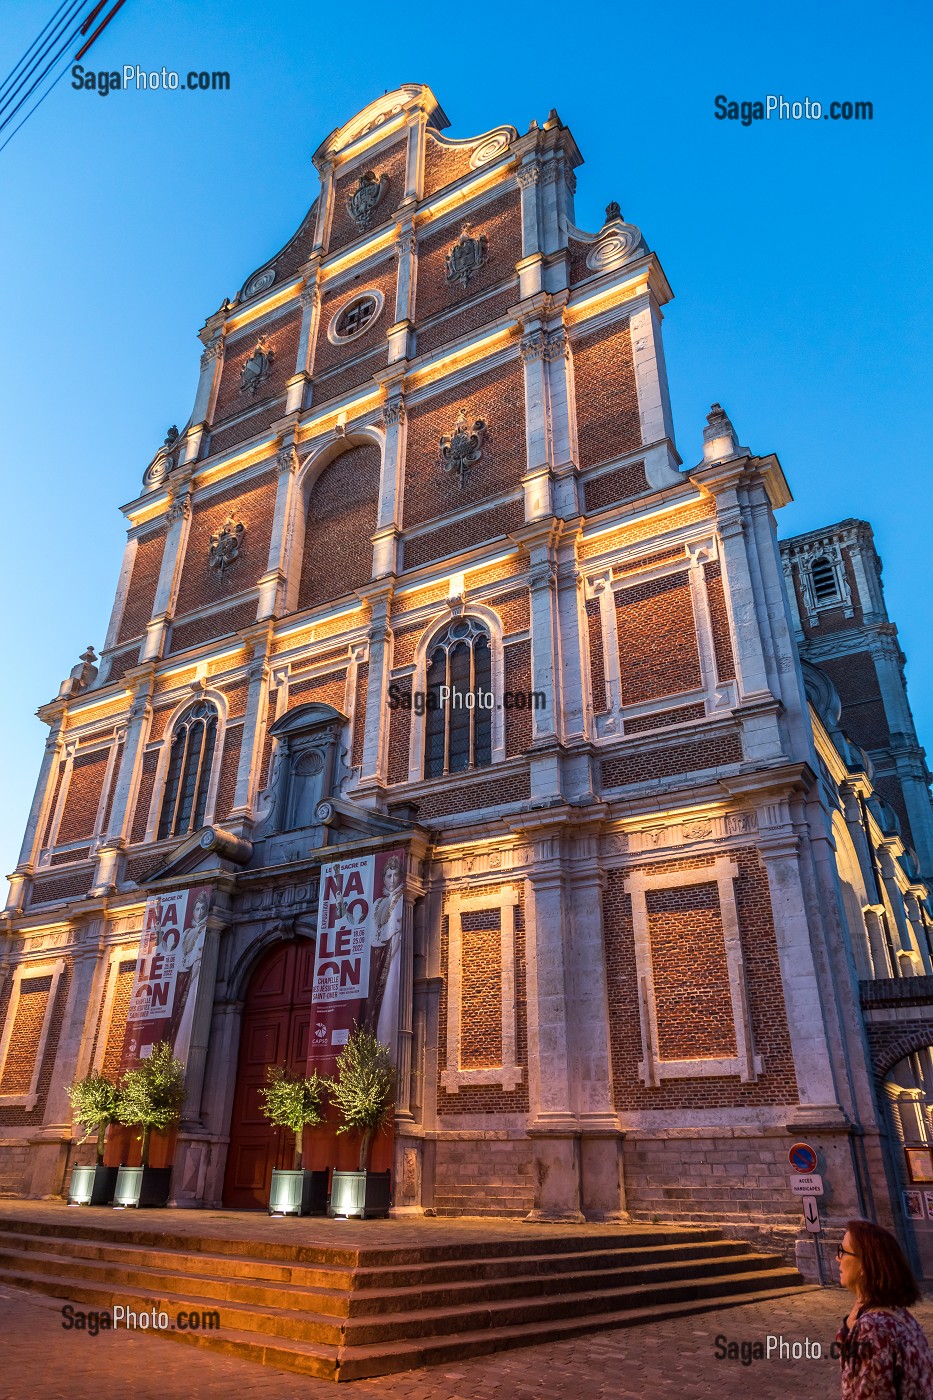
(53, 40)
(12, 73)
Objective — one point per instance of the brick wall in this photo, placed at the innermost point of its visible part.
(474, 797)
(47, 889)
(607, 400)
(863, 714)
(390, 162)
(657, 639)
(594, 633)
(663, 719)
(481, 989)
(144, 796)
(472, 316)
(500, 219)
(671, 760)
(498, 397)
(382, 277)
(518, 722)
(113, 1054)
(341, 518)
(21, 1117)
(253, 504)
(20, 1058)
(688, 941)
(477, 528)
(212, 625)
(610, 488)
(140, 596)
(327, 689)
(280, 336)
(514, 610)
(226, 786)
(359, 714)
(719, 617)
(399, 735)
(443, 164)
(250, 426)
(486, 1098)
(691, 976)
(84, 792)
(337, 382)
(648, 529)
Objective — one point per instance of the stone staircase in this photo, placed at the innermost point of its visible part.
(344, 1313)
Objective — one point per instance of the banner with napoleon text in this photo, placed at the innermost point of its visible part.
(165, 985)
(356, 972)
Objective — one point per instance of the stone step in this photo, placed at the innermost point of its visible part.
(360, 1363)
(217, 1287)
(537, 1240)
(301, 1324)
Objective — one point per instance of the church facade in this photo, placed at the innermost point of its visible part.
(424, 572)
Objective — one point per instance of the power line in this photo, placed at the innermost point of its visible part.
(50, 43)
(38, 104)
(12, 73)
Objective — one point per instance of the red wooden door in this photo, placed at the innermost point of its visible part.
(276, 1022)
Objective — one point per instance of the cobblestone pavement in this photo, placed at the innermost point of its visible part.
(41, 1361)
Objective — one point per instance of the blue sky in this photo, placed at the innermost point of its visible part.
(798, 253)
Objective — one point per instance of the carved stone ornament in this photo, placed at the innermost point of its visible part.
(463, 447)
(164, 461)
(618, 245)
(81, 676)
(466, 256)
(260, 283)
(256, 367)
(362, 203)
(226, 544)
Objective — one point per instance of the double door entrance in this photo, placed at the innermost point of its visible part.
(275, 1031)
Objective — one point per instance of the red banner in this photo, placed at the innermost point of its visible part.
(165, 986)
(356, 962)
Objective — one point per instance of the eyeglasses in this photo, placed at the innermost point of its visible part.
(840, 1252)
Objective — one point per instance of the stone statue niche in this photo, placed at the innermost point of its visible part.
(308, 765)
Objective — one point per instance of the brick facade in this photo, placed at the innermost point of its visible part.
(341, 510)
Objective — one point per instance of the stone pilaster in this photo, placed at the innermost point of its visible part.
(178, 520)
(277, 588)
(375, 737)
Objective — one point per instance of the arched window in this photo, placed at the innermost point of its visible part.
(189, 771)
(458, 718)
(825, 587)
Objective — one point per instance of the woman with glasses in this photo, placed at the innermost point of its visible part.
(885, 1355)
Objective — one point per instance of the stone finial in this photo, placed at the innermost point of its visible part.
(81, 676)
(719, 439)
(171, 437)
(613, 211)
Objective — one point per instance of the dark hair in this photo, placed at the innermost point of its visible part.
(889, 1280)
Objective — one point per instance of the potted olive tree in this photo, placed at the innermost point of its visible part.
(151, 1096)
(95, 1104)
(364, 1093)
(295, 1102)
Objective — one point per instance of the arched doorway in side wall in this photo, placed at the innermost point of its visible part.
(276, 1021)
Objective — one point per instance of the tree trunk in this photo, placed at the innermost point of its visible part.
(101, 1140)
(365, 1142)
(144, 1151)
(298, 1138)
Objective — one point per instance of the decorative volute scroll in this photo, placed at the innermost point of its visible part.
(463, 447)
(369, 193)
(226, 544)
(164, 461)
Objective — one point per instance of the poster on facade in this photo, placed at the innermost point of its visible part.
(356, 971)
(167, 969)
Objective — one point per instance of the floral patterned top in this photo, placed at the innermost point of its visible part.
(885, 1356)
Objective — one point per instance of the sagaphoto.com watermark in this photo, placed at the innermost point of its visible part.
(443, 697)
(777, 107)
(132, 78)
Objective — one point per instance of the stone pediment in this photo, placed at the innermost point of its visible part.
(210, 851)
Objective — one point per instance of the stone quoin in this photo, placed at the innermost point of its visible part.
(656, 928)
